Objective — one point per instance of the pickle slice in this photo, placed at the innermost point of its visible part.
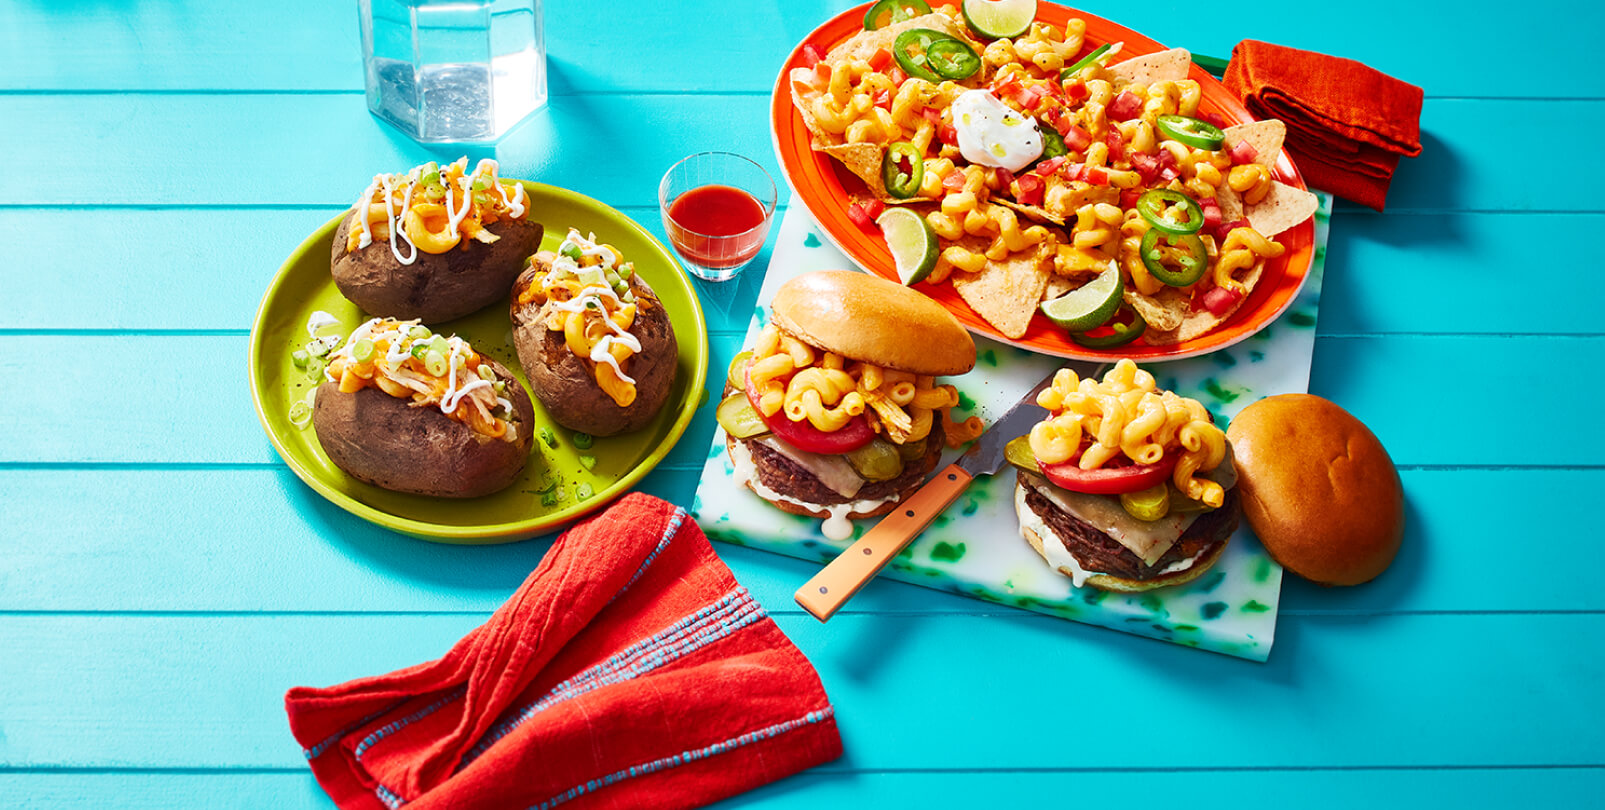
(738, 418)
(877, 461)
(738, 371)
(1148, 504)
(1018, 452)
(913, 450)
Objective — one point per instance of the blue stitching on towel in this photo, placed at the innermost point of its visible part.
(318, 750)
(731, 613)
(686, 756)
(669, 531)
(391, 728)
(391, 800)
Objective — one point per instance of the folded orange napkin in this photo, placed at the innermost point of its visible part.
(629, 670)
(1347, 124)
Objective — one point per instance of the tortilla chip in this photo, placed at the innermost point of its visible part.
(1169, 65)
(864, 44)
(1231, 203)
(1059, 285)
(1265, 136)
(1032, 211)
(1203, 321)
(1164, 310)
(1281, 209)
(864, 160)
(1006, 293)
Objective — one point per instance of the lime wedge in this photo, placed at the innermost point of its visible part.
(996, 19)
(1089, 305)
(912, 242)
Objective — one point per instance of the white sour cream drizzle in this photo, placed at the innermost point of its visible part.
(318, 321)
(600, 352)
(385, 182)
(396, 354)
(836, 525)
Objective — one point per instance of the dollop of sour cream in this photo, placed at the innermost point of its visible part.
(991, 133)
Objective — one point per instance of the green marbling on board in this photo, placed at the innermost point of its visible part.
(1223, 358)
(1301, 319)
(812, 241)
(974, 548)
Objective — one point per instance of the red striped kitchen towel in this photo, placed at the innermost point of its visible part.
(629, 670)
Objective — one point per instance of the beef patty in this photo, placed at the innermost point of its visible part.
(787, 477)
(1100, 553)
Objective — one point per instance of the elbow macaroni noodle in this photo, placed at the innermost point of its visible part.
(1094, 422)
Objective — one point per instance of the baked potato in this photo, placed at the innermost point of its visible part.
(409, 442)
(422, 256)
(593, 338)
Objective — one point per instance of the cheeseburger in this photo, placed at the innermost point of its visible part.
(1124, 487)
(835, 411)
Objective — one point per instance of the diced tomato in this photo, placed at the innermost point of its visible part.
(1224, 229)
(874, 208)
(1031, 96)
(1220, 300)
(812, 56)
(1072, 171)
(1110, 479)
(880, 60)
(1167, 174)
(1116, 143)
(1031, 188)
(1129, 197)
(898, 76)
(804, 436)
(1096, 175)
(1005, 177)
(1051, 165)
(932, 115)
(1166, 159)
(1075, 91)
(1146, 167)
(1077, 139)
(954, 180)
(1212, 213)
(1007, 89)
(947, 134)
(883, 99)
(1243, 152)
(1125, 107)
(859, 216)
(1213, 120)
(822, 74)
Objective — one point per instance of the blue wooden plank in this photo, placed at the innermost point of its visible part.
(707, 46)
(1204, 789)
(323, 150)
(928, 692)
(193, 540)
(186, 401)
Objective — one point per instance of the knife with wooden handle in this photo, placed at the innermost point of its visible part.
(836, 583)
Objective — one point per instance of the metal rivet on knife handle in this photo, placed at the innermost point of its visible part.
(836, 583)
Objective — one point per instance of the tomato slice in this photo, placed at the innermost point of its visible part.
(804, 436)
(1109, 480)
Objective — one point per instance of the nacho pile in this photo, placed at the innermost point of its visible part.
(1041, 161)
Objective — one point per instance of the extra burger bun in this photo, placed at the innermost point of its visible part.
(865, 317)
(1123, 585)
(1318, 488)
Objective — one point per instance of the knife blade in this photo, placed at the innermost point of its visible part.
(836, 583)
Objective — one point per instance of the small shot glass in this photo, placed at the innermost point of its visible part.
(716, 211)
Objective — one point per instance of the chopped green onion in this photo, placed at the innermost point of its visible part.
(548, 499)
(301, 414)
(315, 367)
(571, 250)
(460, 361)
(583, 441)
(298, 358)
(481, 183)
(419, 332)
(549, 485)
(432, 179)
(318, 347)
(547, 437)
(435, 363)
(501, 388)
(486, 373)
(438, 343)
(588, 462)
(419, 350)
(584, 490)
(626, 270)
(362, 350)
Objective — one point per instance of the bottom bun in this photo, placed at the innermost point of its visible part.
(1108, 582)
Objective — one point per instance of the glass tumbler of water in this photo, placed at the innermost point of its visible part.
(453, 70)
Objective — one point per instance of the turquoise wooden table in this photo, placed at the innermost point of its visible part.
(164, 577)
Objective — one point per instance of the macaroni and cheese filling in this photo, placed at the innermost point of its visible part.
(1124, 420)
(432, 208)
(826, 390)
(406, 360)
(586, 295)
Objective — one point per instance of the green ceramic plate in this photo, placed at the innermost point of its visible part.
(304, 286)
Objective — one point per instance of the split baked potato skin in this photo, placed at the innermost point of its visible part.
(438, 286)
(385, 441)
(566, 383)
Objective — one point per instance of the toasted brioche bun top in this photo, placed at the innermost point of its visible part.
(865, 317)
(1318, 488)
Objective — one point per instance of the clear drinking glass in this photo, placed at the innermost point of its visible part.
(716, 210)
(453, 70)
